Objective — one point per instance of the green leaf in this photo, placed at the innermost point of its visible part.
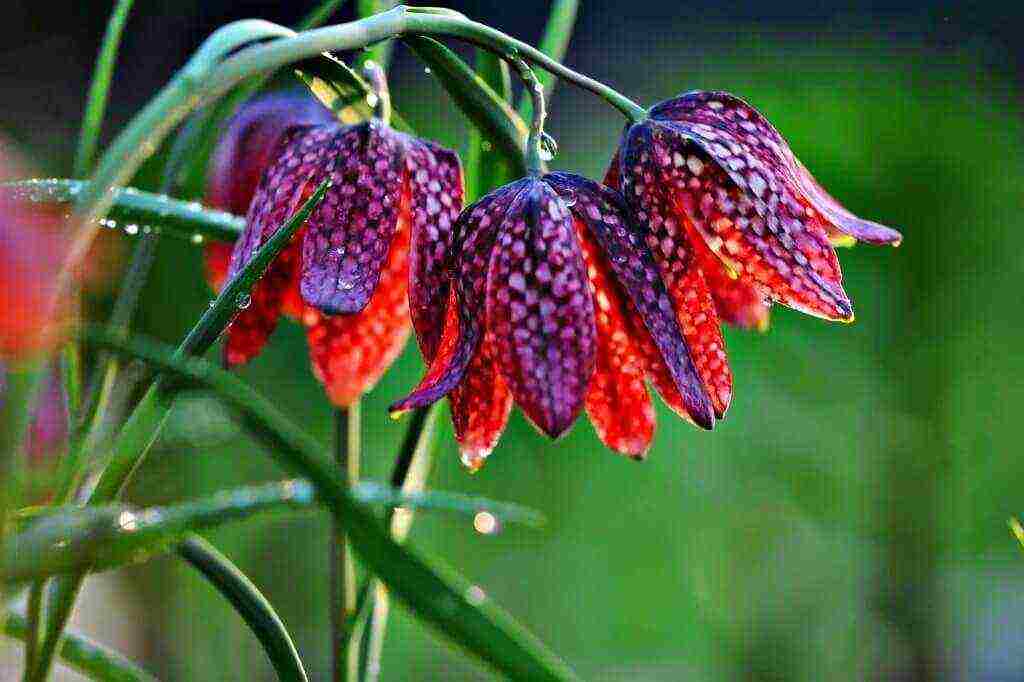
(249, 603)
(136, 213)
(99, 88)
(89, 658)
(342, 90)
(498, 122)
(431, 590)
(553, 43)
(484, 169)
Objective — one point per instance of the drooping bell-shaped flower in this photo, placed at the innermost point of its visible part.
(370, 253)
(719, 190)
(554, 292)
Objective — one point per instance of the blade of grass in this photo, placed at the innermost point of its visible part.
(554, 43)
(93, 660)
(249, 603)
(342, 90)
(99, 89)
(478, 101)
(142, 428)
(137, 213)
(485, 170)
(431, 590)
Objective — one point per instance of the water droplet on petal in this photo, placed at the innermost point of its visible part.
(548, 147)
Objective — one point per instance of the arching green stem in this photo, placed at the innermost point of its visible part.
(535, 142)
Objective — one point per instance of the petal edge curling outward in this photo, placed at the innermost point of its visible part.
(435, 179)
(476, 231)
(350, 232)
(539, 310)
(744, 131)
(607, 219)
(349, 353)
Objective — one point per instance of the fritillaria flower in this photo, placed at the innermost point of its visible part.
(732, 216)
(370, 254)
(554, 291)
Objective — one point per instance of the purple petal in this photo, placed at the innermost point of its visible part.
(349, 234)
(741, 139)
(435, 180)
(475, 233)
(607, 218)
(540, 310)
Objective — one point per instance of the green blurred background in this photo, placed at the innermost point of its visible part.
(847, 521)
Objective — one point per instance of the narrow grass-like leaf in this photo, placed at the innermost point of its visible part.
(236, 292)
(431, 590)
(95, 661)
(485, 108)
(484, 169)
(553, 43)
(99, 538)
(137, 213)
(99, 88)
(249, 603)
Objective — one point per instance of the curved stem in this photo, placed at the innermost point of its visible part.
(535, 142)
(378, 80)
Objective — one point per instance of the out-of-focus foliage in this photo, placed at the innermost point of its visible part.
(846, 521)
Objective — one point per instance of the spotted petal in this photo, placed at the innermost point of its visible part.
(349, 353)
(283, 188)
(760, 231)
(617, 403)
(609, 222)
(540, 311)
(480, 407)
(476, 232)
(746, 136)
(435, 181)
(350, 232)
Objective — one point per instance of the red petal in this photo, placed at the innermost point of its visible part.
(350, 353)
(480, 407)
(217, 261)
(435, 178)
(617, 401)
(737, 303)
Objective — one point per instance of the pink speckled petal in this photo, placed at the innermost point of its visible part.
(476, 231)
(540, 310)
(349, 234)
(609, 221)
(435, 180)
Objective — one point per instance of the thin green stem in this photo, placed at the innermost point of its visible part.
(378, 81)
(409, 474)
(34, 633)
(344, 649)
(535, 142)
(553, 43)
(99, 89)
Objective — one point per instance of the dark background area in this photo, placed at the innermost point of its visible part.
(847, 521)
